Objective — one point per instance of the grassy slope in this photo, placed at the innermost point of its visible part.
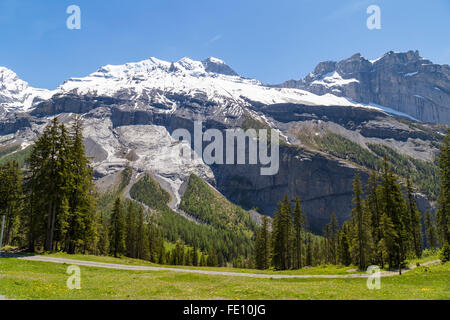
(19, 156)
(40, 280)
(209, 206)
(216, 234)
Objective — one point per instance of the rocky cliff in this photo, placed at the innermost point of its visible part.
(404, 82)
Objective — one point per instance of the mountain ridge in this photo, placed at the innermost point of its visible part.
(129, 112)
(403, 81)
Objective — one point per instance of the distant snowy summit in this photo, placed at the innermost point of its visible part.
(397, 83)
(16, 94)
(155, 82)
(403, 81)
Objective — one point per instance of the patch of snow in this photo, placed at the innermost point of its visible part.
(333, 79)
(216, 60)
(386, 110)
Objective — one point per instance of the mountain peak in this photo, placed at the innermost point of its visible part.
(216, 65)
(16, 94)
(421, 83)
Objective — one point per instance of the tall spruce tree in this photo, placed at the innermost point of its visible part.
(117, 230)
(443, 211)
(48, 184)
(130, 231)
(333, 234)
(394, 206)
(81, 229)
(298, 233)
(374, 208)
(262, 246)
(11, 199)
(281, 235)
(430, 231)
(359, 223)
(415, 224)
(140, 245)
(344, 245)
(309, 250)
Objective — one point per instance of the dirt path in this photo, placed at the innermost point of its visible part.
(220, 273)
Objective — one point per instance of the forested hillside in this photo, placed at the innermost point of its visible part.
(222, 229)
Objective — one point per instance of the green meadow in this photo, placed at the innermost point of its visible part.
(21, 279)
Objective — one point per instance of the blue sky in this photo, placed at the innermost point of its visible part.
(272, 41)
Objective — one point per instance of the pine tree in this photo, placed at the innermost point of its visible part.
(212, 260)
(262, 246)
(103, 233)
(48, 184)
(117, 230)
(81, 231)
(389, 237)
(415, 225)
(11, 198)
(430, 231)
(359, 223)
(281, 235)
(178, 253)
(344, 245)
(130, 232)
(374, 208)
(326, 250)
(443, 212)
(333, 238)
(298, 230)
(394, 207)
(140, 245)
(195, 261)
(203, 262)
(309, 250)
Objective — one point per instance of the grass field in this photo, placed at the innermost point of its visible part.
(325, 269)
(41, 280)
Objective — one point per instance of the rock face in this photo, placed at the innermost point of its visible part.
(324, 185)
(130, 111)
(401, 81)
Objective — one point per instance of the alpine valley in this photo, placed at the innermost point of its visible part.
(341, 119)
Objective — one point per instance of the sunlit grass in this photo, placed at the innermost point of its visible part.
(42, 280)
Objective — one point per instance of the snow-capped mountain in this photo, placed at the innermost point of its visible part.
(16, 95)
(153, 81)
(129, 112)
(402, 81)
(211, 78)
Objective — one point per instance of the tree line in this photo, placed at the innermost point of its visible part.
(385, 227)
(51, 205)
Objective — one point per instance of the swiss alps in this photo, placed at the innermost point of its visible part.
(129, 112)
